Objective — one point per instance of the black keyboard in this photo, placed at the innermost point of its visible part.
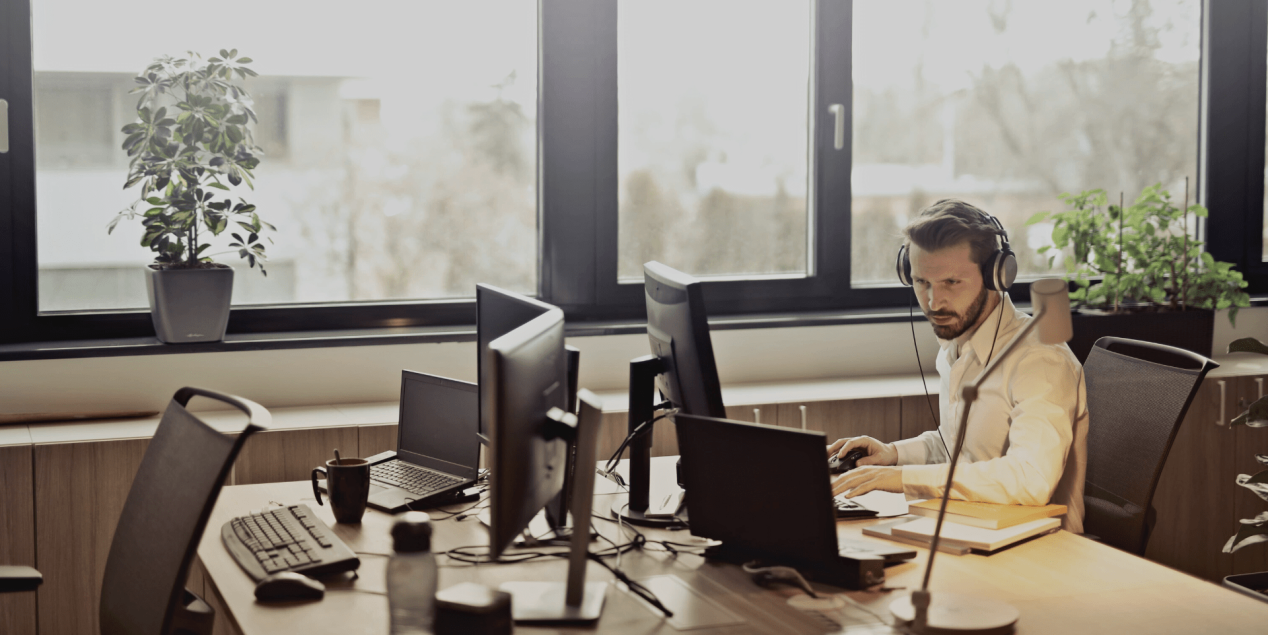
(286, 539)
(847, 508)
(412, 478)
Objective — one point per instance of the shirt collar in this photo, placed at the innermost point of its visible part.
(979, 340)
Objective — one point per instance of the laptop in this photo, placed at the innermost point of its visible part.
(438, 452)
(765, 492)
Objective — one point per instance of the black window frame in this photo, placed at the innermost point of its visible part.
(577, 187)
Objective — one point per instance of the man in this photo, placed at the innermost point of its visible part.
(1027, 430)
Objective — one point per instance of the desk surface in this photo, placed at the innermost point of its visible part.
(1060, 583)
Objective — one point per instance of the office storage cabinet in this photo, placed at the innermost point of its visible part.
(17, 534)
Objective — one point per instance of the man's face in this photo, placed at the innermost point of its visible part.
(949, 286)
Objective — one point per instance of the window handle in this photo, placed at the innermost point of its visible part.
(4, 126)
(838, 136)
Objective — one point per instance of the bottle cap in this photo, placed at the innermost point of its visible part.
(411, 532)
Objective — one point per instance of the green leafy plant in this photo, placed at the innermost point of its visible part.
(192, 135)
(1251, 530)
(1139, 256)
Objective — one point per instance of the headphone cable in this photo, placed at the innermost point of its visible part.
(911, 314)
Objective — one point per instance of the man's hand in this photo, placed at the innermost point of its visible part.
(877, 453)
(862, 480)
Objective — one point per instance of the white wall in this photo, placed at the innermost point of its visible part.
(352, 374)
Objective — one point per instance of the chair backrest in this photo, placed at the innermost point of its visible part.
(1137, 395)
(163, 518)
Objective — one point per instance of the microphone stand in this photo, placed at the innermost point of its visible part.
(988, 615)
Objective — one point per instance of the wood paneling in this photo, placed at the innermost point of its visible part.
(877, 418)
(17, 534)
(374, 439)
(760, 413)
(916, 417)
(1194, 499)
(1247, 442)
(290, 455)
(80, 489)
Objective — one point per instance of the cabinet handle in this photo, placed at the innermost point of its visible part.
(4, 126)
(803, 416)
(757, 415)
(1259, 381)
(1223, 388)
(838, 134)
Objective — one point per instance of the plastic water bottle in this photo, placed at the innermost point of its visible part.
(411, 575)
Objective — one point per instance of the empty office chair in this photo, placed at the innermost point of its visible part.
(143, 590)
(1137, 394)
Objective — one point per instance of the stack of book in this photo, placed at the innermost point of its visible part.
(971, 527)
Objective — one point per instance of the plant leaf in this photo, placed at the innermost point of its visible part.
(1257, 483)
(1247, 345)
(1251, 531)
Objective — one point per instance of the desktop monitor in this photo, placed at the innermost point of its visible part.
(678, 331)
(527, 376)
(498, 312)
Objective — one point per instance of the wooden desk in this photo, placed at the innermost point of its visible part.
(1060, 583)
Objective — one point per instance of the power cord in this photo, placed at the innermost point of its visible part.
(635, 433)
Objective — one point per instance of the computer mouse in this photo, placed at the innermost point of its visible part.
(839, 465)
(285, 586)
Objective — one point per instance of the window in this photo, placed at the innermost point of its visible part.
(553, 146)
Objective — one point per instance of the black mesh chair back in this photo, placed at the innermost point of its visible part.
(1137, 394)
(177, 485)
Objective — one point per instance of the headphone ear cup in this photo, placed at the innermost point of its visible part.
(902, 266)
(1007, 272)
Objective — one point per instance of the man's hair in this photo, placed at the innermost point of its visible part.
(950, 222)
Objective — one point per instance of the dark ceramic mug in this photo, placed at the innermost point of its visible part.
(348, 485)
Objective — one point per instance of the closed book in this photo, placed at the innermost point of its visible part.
(986, 515)
(886, 531)
(976, 537)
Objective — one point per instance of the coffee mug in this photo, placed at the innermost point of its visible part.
(348, 485)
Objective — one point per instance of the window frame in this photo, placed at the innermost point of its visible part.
(578, 190)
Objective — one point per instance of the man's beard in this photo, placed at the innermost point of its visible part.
(964, 323)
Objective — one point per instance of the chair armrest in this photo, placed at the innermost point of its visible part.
(13, 579)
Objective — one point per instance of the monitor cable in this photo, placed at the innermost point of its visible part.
(638, 430)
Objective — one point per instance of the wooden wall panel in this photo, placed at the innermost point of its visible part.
(1247, 442)
(1194, 501)
(17, 534)
(768, 414)
(80, 489)
(877, 418)
(372, 440)
(278, 456)
(916, 417)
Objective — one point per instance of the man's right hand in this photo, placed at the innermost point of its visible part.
(877, 453)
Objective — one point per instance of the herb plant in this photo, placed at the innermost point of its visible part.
(1142, 254)
(191, 136)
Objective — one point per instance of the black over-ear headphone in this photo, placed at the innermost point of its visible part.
(999, 270)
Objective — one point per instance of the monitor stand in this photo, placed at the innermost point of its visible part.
(575, 600)
(632, 507)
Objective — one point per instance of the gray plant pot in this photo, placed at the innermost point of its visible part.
(189, 305)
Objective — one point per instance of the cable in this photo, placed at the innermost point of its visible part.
(632, 435)
(911, 314)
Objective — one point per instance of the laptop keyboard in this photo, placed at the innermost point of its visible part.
(412, 479)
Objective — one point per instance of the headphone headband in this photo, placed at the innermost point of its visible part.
(999, 270)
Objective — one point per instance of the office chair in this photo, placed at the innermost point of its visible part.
(1137, 394)
(143, 590)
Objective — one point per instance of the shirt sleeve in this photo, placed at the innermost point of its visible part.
(1043, 388)
(923, 448)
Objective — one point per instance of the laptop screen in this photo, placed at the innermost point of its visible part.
(438, 423)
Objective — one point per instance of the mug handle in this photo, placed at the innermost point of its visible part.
(316, 490)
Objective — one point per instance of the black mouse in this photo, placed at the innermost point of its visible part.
(287, 585)
(838, 465)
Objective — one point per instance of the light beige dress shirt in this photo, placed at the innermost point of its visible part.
(1027, 430)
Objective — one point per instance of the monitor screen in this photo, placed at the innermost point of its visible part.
(678, 331)
(528, 375)
(498, 312)
(438, 423)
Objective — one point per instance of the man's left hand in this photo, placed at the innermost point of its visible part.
(864, 479)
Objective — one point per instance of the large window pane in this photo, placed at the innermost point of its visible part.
(713, 99)
(399, 141)
(1009, 104)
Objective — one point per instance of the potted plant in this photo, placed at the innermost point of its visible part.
(1251, 530)
(1137, 273)
(191, 136)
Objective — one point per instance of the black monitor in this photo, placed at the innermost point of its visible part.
(678, 331)
(498, 312)
(529, 434)
(681, 369)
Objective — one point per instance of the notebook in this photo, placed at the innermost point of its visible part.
(986, 515)
(977, 537)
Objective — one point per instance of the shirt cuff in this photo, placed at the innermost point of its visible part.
(911, 451)
(924, 481)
